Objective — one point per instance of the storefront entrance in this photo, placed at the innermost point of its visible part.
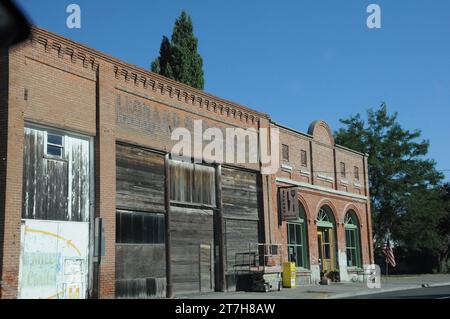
(325, 240)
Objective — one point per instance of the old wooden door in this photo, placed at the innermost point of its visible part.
(206, 268)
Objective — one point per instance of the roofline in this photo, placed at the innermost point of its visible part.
(106, 57)
(291, 129)
(36, 31)
(312, 137)
(350, 150)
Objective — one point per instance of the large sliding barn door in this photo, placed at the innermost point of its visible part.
(140, 218)
(55, 216)
(241, 208)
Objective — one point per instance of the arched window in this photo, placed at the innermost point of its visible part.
(298, 240)
(325, 217)
(352, 240)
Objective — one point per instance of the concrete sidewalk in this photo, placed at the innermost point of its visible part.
(335, 290)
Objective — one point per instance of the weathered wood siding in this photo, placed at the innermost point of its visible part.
(140, 251)
(140, 180)
(56, 189)
(206, 268)
(192, 183)
(140, 270)
(238, 235)
(190, 228)
(241, 208)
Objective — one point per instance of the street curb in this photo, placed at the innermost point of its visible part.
(379, 291)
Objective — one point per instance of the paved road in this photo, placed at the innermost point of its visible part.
(441, 292)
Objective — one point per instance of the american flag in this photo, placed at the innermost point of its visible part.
(388, 253)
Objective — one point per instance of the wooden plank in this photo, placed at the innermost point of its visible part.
(189, 229)
(241, 206)
(47, 186)
(240, 194)
(134, 261)
(192, 183)
(239, 234)
(79, 160)
(205, 265)
(140, 180)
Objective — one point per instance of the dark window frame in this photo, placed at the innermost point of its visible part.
(54, 145)
(356, 172)
(342, 168)
(285, 152)
(127, 232)
(304, 158)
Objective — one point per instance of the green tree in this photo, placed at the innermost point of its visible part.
(444, 231)
(404, 184)
(179, 59)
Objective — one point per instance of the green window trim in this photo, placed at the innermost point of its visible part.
(352, 241)
(324, 218)
(324, 224)
(298, 243)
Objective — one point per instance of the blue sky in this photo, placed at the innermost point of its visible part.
(296, 60)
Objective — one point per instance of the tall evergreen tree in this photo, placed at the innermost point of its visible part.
(404, 184)
(179, 59)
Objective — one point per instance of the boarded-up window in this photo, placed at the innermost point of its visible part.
(192, 183)
(356, 172)
(139, 228)
(56, 181)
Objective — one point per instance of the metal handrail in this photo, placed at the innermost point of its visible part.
(257, 256)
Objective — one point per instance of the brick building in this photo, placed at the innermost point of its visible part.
(93, 205)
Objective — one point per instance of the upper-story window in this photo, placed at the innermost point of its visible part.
(304, 158)
(285, 152)
(356, 172)
(343, 169)
(54, 145)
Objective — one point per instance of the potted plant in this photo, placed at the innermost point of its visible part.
(334, 275)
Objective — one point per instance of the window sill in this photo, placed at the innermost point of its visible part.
(305, 173)
(325, 177)
(55, 158)
(354, 269)
(303, 270)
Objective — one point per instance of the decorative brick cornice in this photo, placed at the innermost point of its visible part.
(63, 49)
(185, 94)
(143, 78)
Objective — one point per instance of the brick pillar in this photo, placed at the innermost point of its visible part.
(105, 177)
(368, 224)
(266, 185)
(11, 158)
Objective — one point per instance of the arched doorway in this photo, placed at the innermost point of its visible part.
(352, 240)
(326, 239)
(298, 240)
